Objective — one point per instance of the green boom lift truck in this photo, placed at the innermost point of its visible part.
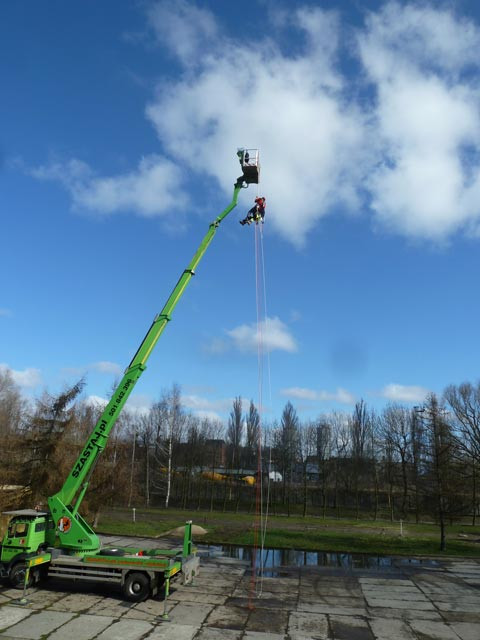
(58, 541)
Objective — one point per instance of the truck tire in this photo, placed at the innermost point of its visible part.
(136, 587)
(17, 576)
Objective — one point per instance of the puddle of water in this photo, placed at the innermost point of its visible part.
(274, 560)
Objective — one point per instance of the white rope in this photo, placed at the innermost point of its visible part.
(262, 297)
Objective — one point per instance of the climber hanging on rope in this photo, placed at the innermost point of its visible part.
(256, 213)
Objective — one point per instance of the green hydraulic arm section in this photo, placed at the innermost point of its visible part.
(74, 533)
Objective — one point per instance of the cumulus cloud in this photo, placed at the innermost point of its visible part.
(401, 140)
(102, 366)
(27, 378)
(292, 108)
(341, 396)
(272, 334)
(106, 367)
(425, 119)
(403, 393)
(182, 27)
(96, 401)
(150, 190)
(137, 404)
(205, 408)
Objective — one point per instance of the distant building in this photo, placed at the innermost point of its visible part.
(216, 452)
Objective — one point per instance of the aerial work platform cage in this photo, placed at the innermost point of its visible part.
(250, 162)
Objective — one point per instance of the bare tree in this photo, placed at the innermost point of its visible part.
(360, 428)
(168, 421)
(307, 445)
(439, 458)
(324, 455)
(417, 439)
(253, 433)
(235, 431)
(464, 401)
(396, 431)
(287, 445)
(12, 405)
(13, 408)
(340, 445)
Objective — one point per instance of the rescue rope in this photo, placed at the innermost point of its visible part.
(261, 518)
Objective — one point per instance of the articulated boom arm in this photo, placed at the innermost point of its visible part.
(73, 531)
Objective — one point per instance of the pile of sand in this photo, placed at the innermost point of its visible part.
(179, 531)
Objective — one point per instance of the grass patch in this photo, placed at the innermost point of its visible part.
(310, 533)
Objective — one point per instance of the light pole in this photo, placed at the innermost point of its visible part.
(132, 467)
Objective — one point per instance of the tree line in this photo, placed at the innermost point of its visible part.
(403, 462)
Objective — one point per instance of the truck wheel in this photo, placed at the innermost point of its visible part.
(136, 587)
(17, 576)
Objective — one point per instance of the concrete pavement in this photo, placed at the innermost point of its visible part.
(402, 602)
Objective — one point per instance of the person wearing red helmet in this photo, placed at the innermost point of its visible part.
(256, 213)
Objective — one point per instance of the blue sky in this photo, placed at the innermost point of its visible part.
(120, 124)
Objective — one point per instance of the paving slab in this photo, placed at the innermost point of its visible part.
(39, 624)
(303, 625)
(188, 612)
(225, 617)
(267, 621)
(389, 603)
(405, 614)
(126, 630)
(258, 635)
(198, 597)
(433, 630)
(316, 607)
(10, 615)
(148, 613)
(350, 628)
(75, 602)
(263, 603)
(388, 629)
(41, 598)
(166, 631)
(466, 630)
(82, 628)
(209, 633)
(397, 582)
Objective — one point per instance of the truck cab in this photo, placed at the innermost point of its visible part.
(28, 531)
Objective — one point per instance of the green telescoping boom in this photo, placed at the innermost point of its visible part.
(74, 532)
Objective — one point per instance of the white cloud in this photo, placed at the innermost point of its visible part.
(426, 120)
(103, 366)
(299, 393)
(272, 334)
(198, 403)
(182, 27)
(216, 346)
(292, 108)
(404, 136)
(96, 401)
(205, 408)
(137, 404)
(402, 393)
(28, 378)
(5, 313)
(152, 189)
(341, 396)
(106, 367)
(208, 415)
